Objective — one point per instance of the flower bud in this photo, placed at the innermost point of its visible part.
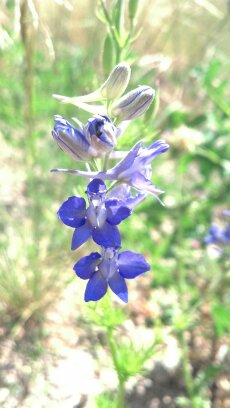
(70, 140)
(96, 139)
(102, 135)
(117, 81)
(133, 104)
(133, 6)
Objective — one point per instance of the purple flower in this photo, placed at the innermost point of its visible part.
(134, 169)
(98, 221)
(109, 269)
(218, 235)
(95, 139)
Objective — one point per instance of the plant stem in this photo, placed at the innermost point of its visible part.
(188, 379)
(121, 385)
(186, 366)
(121, 394)
(115, 183)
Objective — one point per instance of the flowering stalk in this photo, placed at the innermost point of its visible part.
(112, 192)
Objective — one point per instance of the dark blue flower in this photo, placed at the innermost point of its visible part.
(98, 221)
(109, 269)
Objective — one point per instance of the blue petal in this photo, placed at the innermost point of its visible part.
(107, 236)
(132, 264)
(81, 235)
(151, 152)
(116, 211)
(126, 162)
(96, 287)
(141, 183)
(85, 267)
(118, 286)
(72, 212)
(96, 186)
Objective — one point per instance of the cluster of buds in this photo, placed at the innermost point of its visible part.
(107, 206)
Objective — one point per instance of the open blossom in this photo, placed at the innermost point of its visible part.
(134, 169)
(99, 221)
(96, 139)
(109, 269)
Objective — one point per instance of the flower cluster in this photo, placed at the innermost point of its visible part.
(129, 181)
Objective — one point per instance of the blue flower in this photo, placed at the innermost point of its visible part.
(218, 235)
(134, 169)
(98, 221)
(95, 139)
(109, 269)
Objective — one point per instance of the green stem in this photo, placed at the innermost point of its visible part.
(115, 183)
(187, 375)
(186, 365)
(121, 385)
(121, 395)
(105, 162)
(93, 164)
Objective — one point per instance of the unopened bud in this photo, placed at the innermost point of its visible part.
(133, 104)
(117, 81)
(133, 6)
(102, 135)
(96, 139)
(70, 140)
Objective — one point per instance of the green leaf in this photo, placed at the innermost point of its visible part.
(221, 319)
(118, 15)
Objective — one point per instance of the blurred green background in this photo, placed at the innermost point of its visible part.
(182, 50)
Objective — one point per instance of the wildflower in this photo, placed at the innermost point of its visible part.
(134, 169)
(95, 139)
(219, 238)
(98, 221)
(109, 269)
(218, 235)
(133, 104)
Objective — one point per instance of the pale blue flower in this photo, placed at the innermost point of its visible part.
(134, 169)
